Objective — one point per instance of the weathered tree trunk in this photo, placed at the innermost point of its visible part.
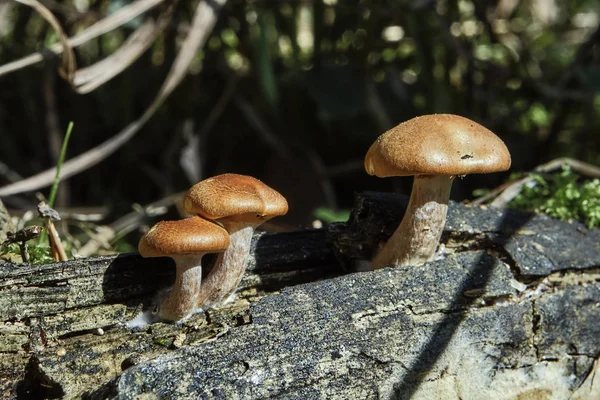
(510, 308)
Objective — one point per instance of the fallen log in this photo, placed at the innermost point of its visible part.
(510, 308)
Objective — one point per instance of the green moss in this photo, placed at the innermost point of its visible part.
(8, 249)
(162, 341)
(562, 196)
(38, 252)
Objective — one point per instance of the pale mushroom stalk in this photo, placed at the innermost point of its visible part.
(433, 148)
(240, 203)
(185, 241)
(416, 238)
(181, 299)
(229, 267)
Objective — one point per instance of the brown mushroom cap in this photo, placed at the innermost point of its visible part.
(186, 236)
(234, 197)
(437, 144)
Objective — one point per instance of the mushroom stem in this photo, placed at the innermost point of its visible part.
(180, 301)
(417, 236)
(224, 278)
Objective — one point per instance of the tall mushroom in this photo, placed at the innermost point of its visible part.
(185, 241)
(240, 203)
(435, 149)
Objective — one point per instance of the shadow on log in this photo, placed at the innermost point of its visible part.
(510, 308)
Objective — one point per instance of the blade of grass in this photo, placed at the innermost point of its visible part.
(57, 250)
(61, 160)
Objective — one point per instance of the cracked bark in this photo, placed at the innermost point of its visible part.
(302, 327)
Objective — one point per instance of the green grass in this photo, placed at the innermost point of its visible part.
(39, 248)
(61, 160)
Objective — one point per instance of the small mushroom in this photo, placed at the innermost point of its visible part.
(240, 203)
(185, 241)
(435, 149)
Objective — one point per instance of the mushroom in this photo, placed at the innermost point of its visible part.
(435, 149)
(185, 241)
(240, 203)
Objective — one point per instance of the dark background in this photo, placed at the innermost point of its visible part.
(301, 89)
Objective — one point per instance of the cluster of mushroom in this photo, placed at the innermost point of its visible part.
(226, 208)
(435, 149)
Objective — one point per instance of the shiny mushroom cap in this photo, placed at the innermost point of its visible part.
(233, 197)
(437, 144)
(187, 236)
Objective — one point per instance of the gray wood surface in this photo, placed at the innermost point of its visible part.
(510, 308)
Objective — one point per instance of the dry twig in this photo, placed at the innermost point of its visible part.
(90, 78)
(111, 22)
(68, 60)
(204, 20)
(48, 214)
(127, 223)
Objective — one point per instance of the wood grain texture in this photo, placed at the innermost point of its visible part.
(488, 317)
